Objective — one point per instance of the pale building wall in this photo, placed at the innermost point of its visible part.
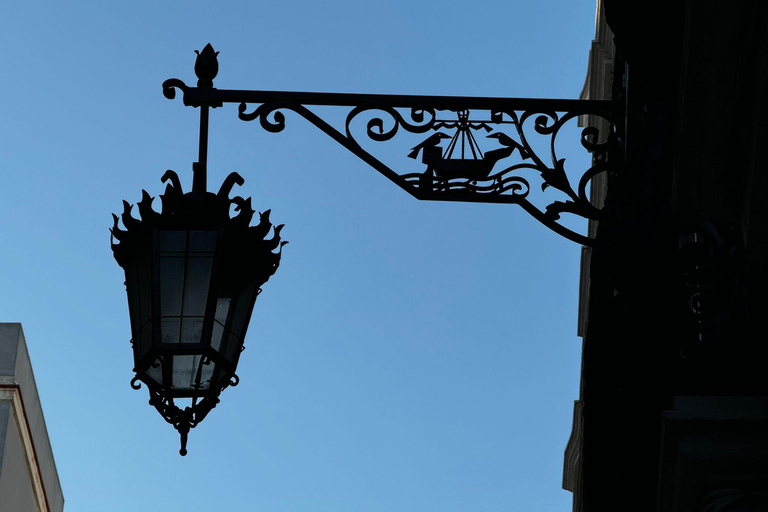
(29, 481)
(17, 493)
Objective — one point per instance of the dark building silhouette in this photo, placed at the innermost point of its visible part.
(673, 409)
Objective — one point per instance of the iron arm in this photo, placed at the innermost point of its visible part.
(490, 177)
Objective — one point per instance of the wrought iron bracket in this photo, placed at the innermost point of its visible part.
(448, 164)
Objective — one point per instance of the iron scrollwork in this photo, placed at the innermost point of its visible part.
(450, 163)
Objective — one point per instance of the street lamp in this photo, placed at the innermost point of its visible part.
(193, 273)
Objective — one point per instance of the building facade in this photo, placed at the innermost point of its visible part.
(29, 481)
(673, 407)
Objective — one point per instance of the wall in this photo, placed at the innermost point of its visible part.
(29, 481)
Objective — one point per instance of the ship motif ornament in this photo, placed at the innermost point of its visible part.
(462, 158)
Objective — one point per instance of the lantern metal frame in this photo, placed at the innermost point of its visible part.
(241, 258)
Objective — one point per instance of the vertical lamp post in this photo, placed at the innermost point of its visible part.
(192, 274)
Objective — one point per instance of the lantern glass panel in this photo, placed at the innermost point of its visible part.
(222, 309)
(172, 289)
(220, 322)
(202, 241)
(231, 348)
(196, 284)
(217, 336)
(155, 372)
(237, 321)
(186, 265)
(173, 241)
(191, 329)
(184, 371)
(170, 330)
(191, 374)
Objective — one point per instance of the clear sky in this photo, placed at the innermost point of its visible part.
(407, 356)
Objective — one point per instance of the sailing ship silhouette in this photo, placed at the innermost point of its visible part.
(470, 164)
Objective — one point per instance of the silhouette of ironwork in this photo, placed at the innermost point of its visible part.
(461, 171)
(192, 273)
(194, 254)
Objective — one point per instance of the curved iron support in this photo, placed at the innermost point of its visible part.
(459, 170)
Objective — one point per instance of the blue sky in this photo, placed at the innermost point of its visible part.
(407, 356)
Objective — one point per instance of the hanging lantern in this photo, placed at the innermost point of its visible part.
(192, 274)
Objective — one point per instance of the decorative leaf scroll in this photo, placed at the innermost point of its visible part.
(454, 157)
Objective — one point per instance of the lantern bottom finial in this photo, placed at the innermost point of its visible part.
(183, 431)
